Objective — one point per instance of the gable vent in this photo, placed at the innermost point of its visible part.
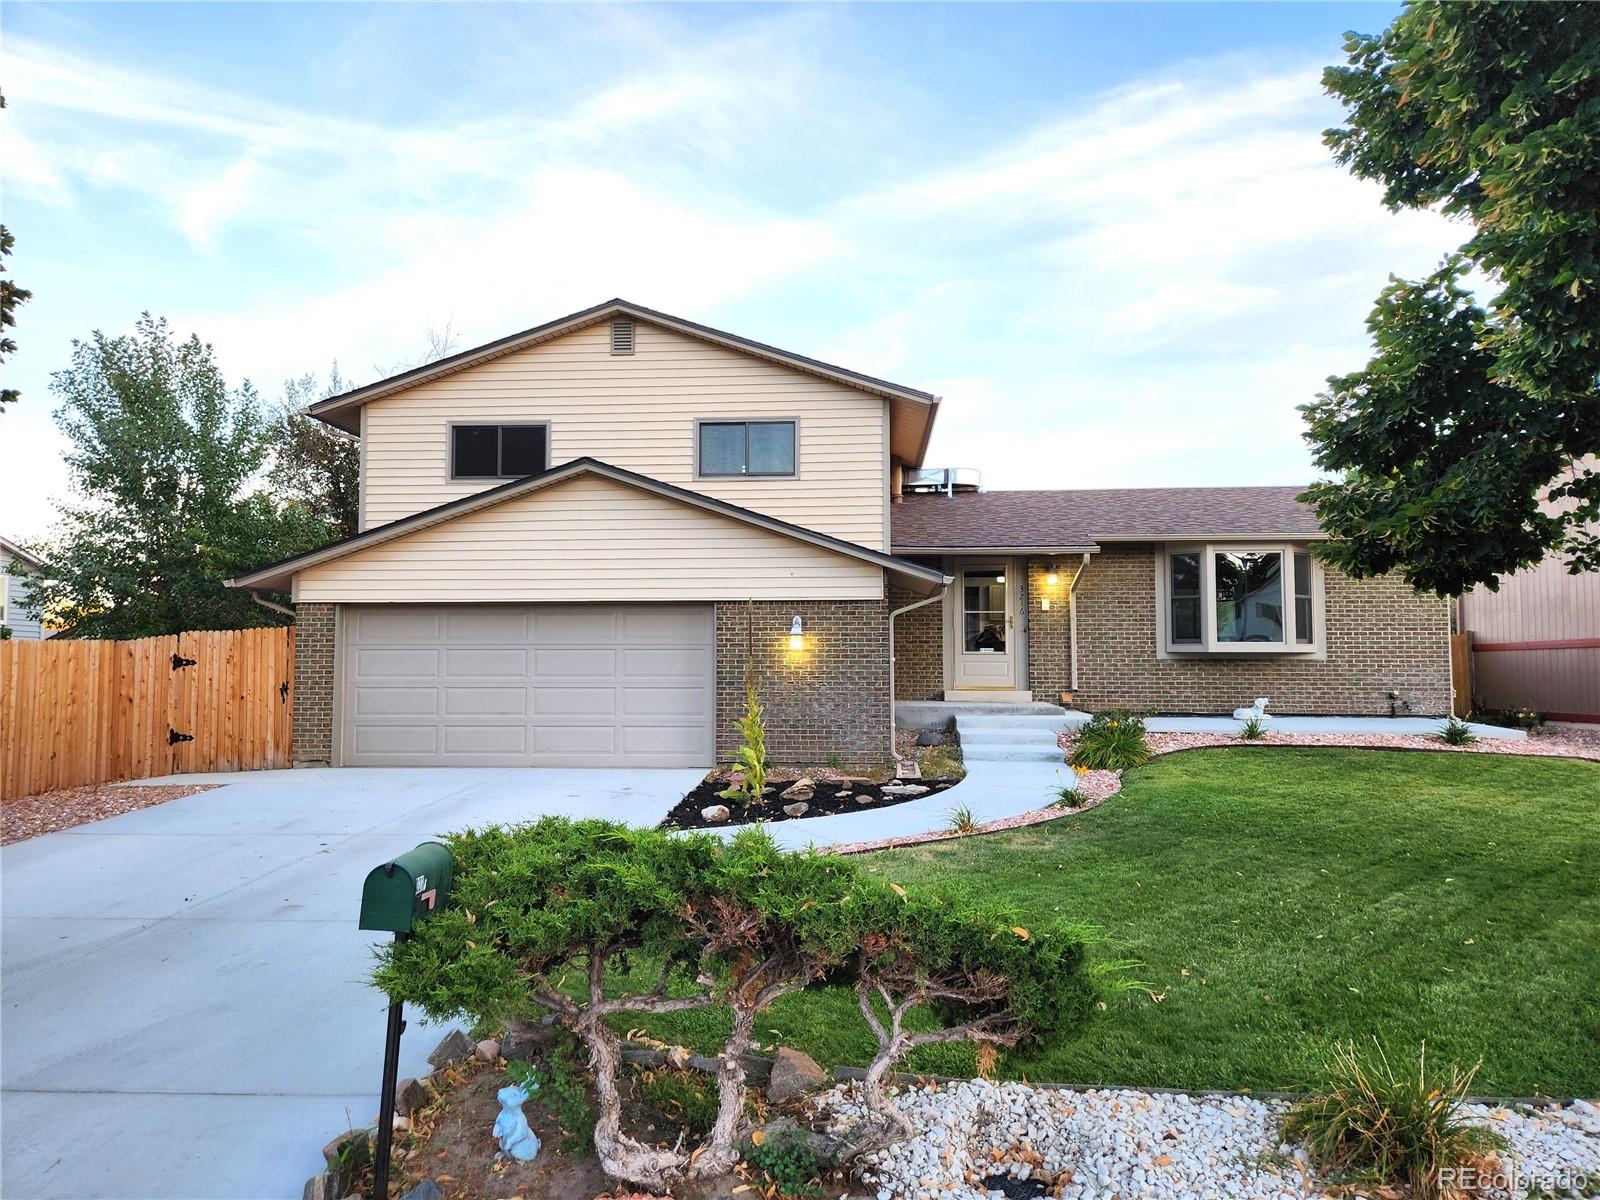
(622, 336)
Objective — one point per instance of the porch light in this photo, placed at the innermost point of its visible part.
(1051, 579)
(797, 640)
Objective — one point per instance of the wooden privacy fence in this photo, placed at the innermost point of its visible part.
(79, 712)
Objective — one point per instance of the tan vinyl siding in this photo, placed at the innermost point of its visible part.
(639, 411)
(589, 539)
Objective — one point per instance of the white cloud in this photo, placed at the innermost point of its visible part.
(206, 207)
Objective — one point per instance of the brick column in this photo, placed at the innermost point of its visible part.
(314, 651)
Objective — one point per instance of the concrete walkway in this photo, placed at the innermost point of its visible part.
(183, 1005)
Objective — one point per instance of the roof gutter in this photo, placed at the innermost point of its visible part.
(1090, 549)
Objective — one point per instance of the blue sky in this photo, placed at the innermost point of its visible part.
(1109, 235)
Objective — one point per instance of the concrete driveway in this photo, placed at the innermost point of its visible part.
(182, 1004)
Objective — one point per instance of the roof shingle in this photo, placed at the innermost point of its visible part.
(1065, 520)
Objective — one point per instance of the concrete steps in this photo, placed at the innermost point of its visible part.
(1013, 734)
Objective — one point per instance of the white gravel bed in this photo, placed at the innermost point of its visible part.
(1126, 1143)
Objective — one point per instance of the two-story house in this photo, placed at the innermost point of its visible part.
(579, 542)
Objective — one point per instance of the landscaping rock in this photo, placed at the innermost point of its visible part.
(793, 1075)
(330, 1152)
(410, 1095)
(521, 1042)
(455, 1046)
(931, 737)
(797, 809)
(824, 1146)
(327, 1186)
(715, 812)
(426, 1190)
(905, 789)
(800, 789)
(863, 798)
(487, 1050)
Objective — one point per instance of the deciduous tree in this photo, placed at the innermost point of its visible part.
(165, 459)
(1469, 414)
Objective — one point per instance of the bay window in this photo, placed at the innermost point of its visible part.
(1227, 599)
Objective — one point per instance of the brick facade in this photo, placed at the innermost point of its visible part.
(1049, 631)
(314, 652)
(918, 648)
(1381, 637)
(830, 698)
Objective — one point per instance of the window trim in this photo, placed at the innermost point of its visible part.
(700, 422)
(1208, 646)
(450, 448)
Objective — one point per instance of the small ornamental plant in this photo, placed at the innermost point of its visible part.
(1252, 729)
(1390, 1125)
(1113, 740)
(593, 922)
(1456, 732)
(750, 757)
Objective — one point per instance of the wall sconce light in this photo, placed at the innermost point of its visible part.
(797, 640)
(1051, 579)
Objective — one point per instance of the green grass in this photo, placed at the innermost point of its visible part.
(1281, 900)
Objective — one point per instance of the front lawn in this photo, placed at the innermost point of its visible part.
(1281, 899)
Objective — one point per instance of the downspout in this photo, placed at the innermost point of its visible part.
(1072, 619)
(924, 602)
(277, 608)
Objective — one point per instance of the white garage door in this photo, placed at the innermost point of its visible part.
(547, 685)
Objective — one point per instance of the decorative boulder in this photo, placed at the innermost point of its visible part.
(455, 1046)
(798, 809)
(521, 1042)
(715, 812)
(930, 737)
(793, 1075)
(410, 1095)
(800, 789)
(904, 789)
(487, 1050)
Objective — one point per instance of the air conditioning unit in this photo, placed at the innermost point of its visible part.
(949, 480)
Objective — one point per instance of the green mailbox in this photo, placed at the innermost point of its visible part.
(401, 893)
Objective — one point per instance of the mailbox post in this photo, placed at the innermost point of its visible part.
(397, 897)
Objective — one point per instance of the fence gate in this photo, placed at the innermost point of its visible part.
(84, 712)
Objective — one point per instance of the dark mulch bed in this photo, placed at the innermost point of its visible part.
(829, 797)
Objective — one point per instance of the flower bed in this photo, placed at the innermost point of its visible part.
(791, 800)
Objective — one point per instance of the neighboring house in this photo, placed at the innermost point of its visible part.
(576, 539)
(15, 615)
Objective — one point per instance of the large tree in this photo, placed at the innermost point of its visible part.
(164, 461)
(315, 467)
(1471, 415)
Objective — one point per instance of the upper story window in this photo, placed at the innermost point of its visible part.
(498, 451)
(730, 448)
(1240, 600)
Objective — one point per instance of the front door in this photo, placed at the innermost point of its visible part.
(985, 648)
